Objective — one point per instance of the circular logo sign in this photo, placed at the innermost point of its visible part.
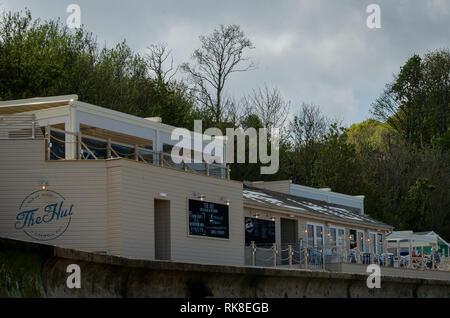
(44, 215)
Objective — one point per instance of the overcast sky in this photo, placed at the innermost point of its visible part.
(314, 51)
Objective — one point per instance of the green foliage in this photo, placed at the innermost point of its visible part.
(408, 175)
(417, 103)
(368, 135)
(416, 202)
(47, 59)
(443, 142)
(337, 165)
(407, 186)
(20, 274)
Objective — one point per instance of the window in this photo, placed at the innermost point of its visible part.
(380, 247)
(353, 241)
(259, 231)
(376, 243)
(341, 237)
(337, 235)
(315, 235)
(333, 236)
(319, 237)
(373, 243)
(311, 235)
(361, 241)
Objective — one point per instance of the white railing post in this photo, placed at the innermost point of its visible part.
(274, 249)
(33, 128)
(305, 256)
(323, 257)
(136, 153)
(47, 142)
(423, 258)
(161, 158)
(410, 255)
(108, 149)
(432, 260)
(300, 249)
(79, 146)
(290, 255)
(253, 253)
(358, 256)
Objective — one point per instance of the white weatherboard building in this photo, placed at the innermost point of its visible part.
(310, 220)
(86, 177)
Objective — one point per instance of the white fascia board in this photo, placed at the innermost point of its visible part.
(354, 199)
(438, 237)
(39, 100)
(443, 241)
(411, 237)
(51, 116)
(130, 119)
(116, 115)
(113, 124)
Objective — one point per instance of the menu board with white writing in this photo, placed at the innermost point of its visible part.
(259, 231)
(208, 219)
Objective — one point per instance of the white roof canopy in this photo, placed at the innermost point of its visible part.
(416, 239)
(72, 113)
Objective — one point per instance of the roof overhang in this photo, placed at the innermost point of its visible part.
(303, 213)
(33, 104)
(396, 236)
(65, 106)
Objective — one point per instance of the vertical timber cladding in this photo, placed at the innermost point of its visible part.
(208, 219)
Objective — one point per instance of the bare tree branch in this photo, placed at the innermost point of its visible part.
(308, 126)
(221, 54)
(269, 105)
(156, 59)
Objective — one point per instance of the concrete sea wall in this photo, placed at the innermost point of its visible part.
(38, 270)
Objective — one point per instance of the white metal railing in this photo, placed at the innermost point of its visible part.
(286, 255)
(94, 148)
(300, 255)
(19, 127)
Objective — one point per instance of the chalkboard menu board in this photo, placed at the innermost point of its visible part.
(208, 219)
(259, 231)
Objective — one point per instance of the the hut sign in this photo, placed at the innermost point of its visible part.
(44, 215)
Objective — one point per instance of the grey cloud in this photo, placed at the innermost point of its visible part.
(313, 51)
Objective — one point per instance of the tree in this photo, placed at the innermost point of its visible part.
(269, 105)
(157, 58)
(369, 135)
(221, 54)
(337, 165)
(307, 133)
(417, 200)
(417, 103)
(47, 58)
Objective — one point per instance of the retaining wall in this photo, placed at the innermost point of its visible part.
(38, 270)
